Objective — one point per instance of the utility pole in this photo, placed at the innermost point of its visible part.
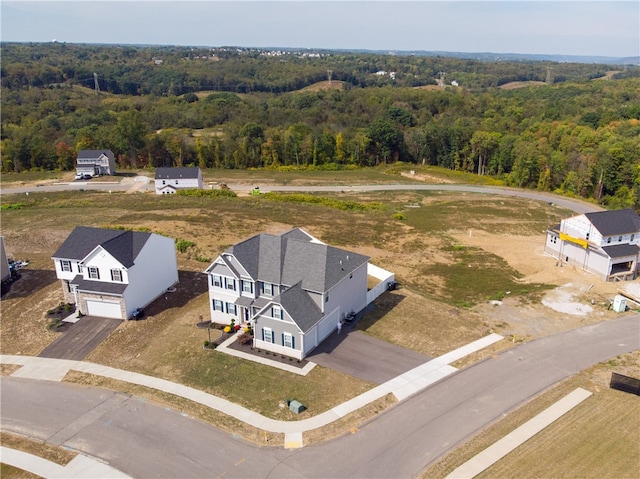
(329, 74)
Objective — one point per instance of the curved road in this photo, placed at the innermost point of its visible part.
(144, 440)
(575, 205)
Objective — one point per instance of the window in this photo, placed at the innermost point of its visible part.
(65, 265)
(276, 312)
(267, 335)
(247, 286)
(164, 182)
(230, 283)
(608, 240)
(116, 275)
(287, 340)
(620, 239)
(326, 298)
(631, 239)
(218, 306)
(94, 273)
(587, 236)
(267, 289)
(216, 280)
(231, 309)
(79, 268)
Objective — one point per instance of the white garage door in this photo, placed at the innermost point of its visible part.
(104, 309)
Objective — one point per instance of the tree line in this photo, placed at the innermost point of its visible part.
(577, 137)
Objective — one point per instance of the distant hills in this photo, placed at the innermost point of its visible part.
(511, 57)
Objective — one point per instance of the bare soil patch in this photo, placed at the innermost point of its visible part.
(325, 85)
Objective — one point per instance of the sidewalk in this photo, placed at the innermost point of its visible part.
(80, 467)
(401, 387)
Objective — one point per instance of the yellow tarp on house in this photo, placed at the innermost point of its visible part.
(581, 242)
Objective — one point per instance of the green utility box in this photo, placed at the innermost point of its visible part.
(296, 407)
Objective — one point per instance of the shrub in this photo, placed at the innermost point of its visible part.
(399, 216)
(245, 338)
(184, 245)
(227, 329)
(206, 343)
(217, 193)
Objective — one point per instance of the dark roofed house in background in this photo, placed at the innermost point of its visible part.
(95, 162)
(111, 273)
(292, 288)
(605, 243)
(169, 180)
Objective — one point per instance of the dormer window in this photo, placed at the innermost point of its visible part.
(620, 239)
(247, 286)
(608, 240)
(267, 289)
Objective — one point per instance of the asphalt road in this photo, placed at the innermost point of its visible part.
(144, 440)
(574, 205)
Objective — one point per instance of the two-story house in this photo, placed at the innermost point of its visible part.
(606, 243)
(168, 180)
(95, 162)
(292, 288)
(110, 273)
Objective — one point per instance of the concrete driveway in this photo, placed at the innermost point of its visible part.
(81, 338)
(365, 357)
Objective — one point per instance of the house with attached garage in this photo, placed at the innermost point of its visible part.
(169, 180)
(110, 273)
(291, 288)
(606, 243)
(95, 162)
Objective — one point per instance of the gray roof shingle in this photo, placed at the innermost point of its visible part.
(616, 222)
(163, 173)
(620, 250)
(302, 309)
(123, 245)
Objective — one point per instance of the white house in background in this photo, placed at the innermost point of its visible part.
(95, 162)
(605, 243)
(168, 180)
(292, 288)
(110, 273)
(5, 271)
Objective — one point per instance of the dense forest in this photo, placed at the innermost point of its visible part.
(564, 129)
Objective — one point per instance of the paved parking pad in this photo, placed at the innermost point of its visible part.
(81, 338)
(365, 357)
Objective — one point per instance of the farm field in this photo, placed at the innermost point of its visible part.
(452, 255)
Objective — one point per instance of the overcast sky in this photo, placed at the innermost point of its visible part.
(569, 27)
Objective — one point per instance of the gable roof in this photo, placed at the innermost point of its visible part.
(122, 245)
(177, 173)
(616, 222)
(302, 309)
(294, 257)
(94, 153)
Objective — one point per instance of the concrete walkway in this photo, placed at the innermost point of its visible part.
(401, 387)
(81, 467)
(504, 446)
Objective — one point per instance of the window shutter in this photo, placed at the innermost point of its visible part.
(263, 334)
(293, 341)
(283, 339)
(273, 340)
